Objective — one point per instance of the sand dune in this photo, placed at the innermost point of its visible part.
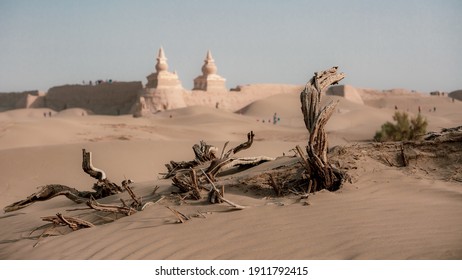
(385, 213)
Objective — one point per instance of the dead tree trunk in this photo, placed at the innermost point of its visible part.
(319, 170)
(102, 188)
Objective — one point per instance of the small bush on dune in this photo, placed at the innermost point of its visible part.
(403, 129)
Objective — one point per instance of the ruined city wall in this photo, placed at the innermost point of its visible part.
(114, 98)
(19, 100)
(346, 91)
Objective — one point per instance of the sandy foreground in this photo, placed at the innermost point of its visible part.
(385, 213)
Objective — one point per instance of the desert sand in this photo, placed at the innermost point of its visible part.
(384, 213)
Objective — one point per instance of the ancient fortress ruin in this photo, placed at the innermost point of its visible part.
(163, 91)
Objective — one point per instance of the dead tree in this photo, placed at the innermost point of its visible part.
(188, 183)
(226, 159)
(320, 172)
(125, 209)
(102, 188)
(188, 180)
(72, 222)
(203, 153)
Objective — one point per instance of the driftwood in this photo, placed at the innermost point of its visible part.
(102, 188)
(72, 222)
(203, 153)
(48, 192)
(319, 170)
(219, 196)
(88, 167)
(60, 220)
(126, 210)
(276, 187)
(206, 155)
(217, 164)
(187, 180)
(182, 218)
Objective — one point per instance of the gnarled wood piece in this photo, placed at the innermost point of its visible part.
(242, 146)
(188, 183)
(48, 192)
(136, 200)
(126, 210)
(217, 164)
(317, 165)
(203, 153)
(219, 195)
(182, 218)
(102, 188)
(88, 167)
(72, 222)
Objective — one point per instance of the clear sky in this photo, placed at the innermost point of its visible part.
(378, 44)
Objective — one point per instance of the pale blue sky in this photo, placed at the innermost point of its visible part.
(378, 44)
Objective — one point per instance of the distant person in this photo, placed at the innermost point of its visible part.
(434, 109)
(419, 109)
(216, 105)
(44, 114)
(91, 83)
(396, 107)
(49, 114)
(453, 100)
(275, 118)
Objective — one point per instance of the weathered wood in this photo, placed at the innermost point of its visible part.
(88, 167)
(102, 188)
(125, 210)
(47, 192)
(72, 222)
(182, 218)
(276, 187)
(203, 153)
(315, 119)
(245, 161)
(217, 164)
(195, 191)
(219, 196)
(137, 200)
(188, 183)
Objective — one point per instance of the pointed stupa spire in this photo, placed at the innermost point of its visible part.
(162, 78)
(161, 54)
(209, 80)
(209, 65)
(209, 56)
(161, 61)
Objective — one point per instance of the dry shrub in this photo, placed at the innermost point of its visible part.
(403, 129)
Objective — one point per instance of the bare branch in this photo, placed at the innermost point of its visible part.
(88, 167)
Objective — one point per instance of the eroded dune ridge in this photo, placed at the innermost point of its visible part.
(402, 200)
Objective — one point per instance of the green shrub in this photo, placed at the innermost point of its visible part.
(403, 129)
